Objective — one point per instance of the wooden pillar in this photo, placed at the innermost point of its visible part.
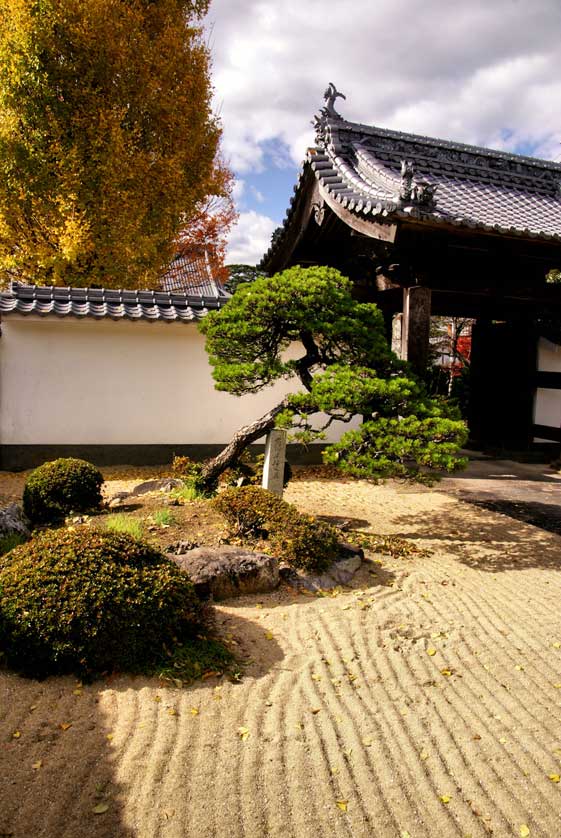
(415, 330)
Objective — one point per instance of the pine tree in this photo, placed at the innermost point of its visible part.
(345, 369)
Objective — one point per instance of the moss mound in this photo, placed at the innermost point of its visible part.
(88, 601)
(59, 487)
(298, 539)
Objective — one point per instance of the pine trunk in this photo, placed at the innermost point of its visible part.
(239, 442)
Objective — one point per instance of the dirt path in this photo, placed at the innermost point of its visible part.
(425, 702)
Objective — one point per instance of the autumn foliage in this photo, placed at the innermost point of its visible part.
(108, 145)
(209, 225)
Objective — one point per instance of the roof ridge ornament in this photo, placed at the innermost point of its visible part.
(330, 96)
(414, 190)
(326, 113)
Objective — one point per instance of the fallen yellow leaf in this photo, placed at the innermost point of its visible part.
(109, 736)
(244, 733)
(555, 778)
(524, 831)
(316, 677)
(16, 734)
(100, 808)
(172, 712)
(424, 755)
(519, 668)
(557, 686)
(65, 725)
(445, 799)
(446, 672)
(269, 635)
(37, 765)
(194, 711)
(343, 804)
(556, 645)
(502, 740)
(431, 652)
(76, 692)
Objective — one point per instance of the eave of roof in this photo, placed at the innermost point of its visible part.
(478, 189)
(100, 303)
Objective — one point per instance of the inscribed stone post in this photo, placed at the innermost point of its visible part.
(273, 469)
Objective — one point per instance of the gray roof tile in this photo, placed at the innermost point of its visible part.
(468, 186)
(99, 303)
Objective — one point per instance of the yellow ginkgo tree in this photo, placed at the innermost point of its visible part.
(107, 138)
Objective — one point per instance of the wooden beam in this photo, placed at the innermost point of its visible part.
(547, 432)
(415, 331)
(373, 229)
(548, 380)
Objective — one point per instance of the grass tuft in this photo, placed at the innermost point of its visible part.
(163, 517)
(119, 522)
(187, 493)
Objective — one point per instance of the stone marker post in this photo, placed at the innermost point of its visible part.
(273, 469)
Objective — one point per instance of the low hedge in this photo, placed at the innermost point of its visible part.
(59, 487)
(300, 540)
(89, 601)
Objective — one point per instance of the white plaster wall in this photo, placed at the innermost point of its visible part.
(547, 405)
(69, 381)
(549, 356)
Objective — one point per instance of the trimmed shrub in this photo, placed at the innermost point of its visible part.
(59, 487)
(306, 543)
(251, 510)
(90, 601)
(192, 473)
(298, 539)
(248, 471)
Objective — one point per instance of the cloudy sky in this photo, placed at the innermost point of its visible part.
(479, 71)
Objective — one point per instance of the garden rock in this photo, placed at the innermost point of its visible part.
(13, 521)
(339, 572)
(163, 484)
(229, 571)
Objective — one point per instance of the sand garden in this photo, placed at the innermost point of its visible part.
(423, 700)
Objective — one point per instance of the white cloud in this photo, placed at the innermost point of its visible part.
(238, 189)
(477, 71)
(259, 197)
(250, 238)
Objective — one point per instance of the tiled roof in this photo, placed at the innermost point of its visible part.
(191, 273)
(389, 176)
(98, 303)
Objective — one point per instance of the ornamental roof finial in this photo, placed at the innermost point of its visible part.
(330, 95)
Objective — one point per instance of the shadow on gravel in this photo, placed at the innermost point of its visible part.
(57, 774)
(489, 544)
(543, 515)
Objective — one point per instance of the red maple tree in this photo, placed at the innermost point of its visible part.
(207, 229)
